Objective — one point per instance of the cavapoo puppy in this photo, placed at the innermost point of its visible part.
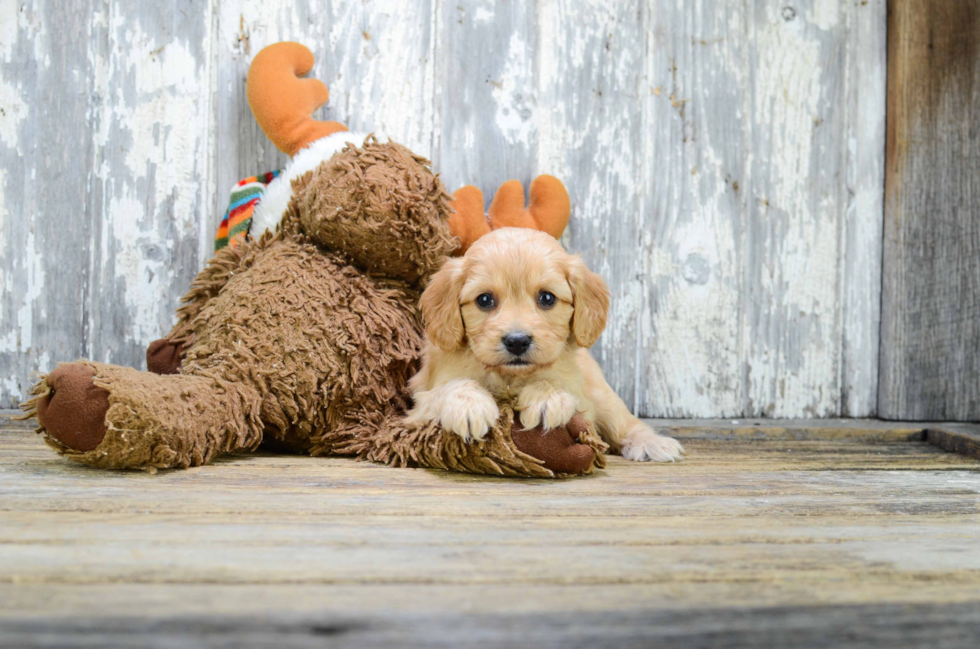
(510, 321)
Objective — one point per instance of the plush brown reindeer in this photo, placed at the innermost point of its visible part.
(305, 333)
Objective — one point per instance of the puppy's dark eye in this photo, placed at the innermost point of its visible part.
(485, 301)
(546, 300)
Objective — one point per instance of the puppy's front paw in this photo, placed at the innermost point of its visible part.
(547, 406)
(644, 445)
(469, 413)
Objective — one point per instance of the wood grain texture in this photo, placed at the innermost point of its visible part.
(489, 103)
(48, 105)
(104, 201)
(724, 162)
(694, 147)
(794, 210)
(753, 293)
(851, 627)
(862, 232)
(151, 172)
(592, 56)
(956, 438)
(849, 430)
(722, 307)
(930, 357)
(745, 536)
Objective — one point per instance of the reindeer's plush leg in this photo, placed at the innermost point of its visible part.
(165, 356)
(506, 450)
(119, 418)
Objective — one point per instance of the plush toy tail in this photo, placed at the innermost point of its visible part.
(283, 104)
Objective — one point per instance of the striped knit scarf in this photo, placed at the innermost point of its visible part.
(244, 197)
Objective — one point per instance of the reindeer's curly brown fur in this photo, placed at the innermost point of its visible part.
(376, 204)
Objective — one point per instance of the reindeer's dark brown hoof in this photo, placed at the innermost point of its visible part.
(164, 356)
(73, 413)
(558, 447)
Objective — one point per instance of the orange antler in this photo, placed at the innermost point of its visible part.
(468, 221)
(548, 210)
(282, 103)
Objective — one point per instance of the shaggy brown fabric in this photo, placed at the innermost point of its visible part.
(208, 283)
(389, 440)
(306, 338)
(164, 356)
(72, 408)
(382, 207)
(162, 422)
(320, 340)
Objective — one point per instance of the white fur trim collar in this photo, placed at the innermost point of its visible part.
(276, 197)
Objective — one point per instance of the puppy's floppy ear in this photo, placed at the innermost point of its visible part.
(591, 300)
(441, 309)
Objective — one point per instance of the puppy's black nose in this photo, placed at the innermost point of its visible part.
(517, 343)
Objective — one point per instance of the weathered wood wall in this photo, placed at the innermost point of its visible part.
(725, 160)
(930, 352)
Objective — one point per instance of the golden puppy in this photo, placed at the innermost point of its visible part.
(510, 320)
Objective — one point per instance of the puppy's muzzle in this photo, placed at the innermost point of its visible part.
(517, 342)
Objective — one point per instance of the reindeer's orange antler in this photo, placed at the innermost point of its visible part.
(282, 103)
(548, 210)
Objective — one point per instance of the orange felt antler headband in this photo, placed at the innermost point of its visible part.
(282, 103)
(548, 210)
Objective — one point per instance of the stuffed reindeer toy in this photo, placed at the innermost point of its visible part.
(302, 334)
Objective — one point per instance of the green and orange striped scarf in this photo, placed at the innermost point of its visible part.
(238, 219)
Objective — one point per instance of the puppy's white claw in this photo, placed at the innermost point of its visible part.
(559, 410)
(644, 445)
(548, 408)
(530, 418)
(470, 414)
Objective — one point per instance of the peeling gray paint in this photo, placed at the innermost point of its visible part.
(724, 160)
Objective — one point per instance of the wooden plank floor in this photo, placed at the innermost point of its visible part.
(803, 534)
